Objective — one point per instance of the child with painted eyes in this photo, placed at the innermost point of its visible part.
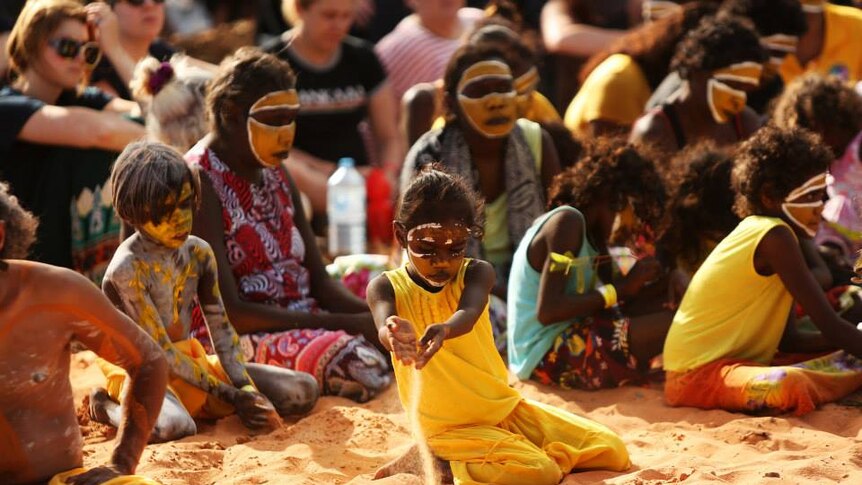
(157, 277)
(736, 313)
(432, 314)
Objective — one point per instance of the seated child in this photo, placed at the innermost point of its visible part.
(736, 312)
(833, 110)
(42, 309)
(157, 277)
(573, 322)
(467, 413)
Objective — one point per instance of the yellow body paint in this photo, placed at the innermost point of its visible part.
(494, 114)
(174, 229)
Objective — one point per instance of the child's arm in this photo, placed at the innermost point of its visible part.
(780, 252)
(116, 338)
(816, 264)
(396, 334)
(224, 337)
(140, 308)
(479, 279)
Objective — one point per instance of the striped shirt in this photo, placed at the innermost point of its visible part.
(412, 54)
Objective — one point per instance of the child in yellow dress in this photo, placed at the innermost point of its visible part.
(467, 413)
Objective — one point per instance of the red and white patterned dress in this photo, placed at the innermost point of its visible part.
(266, 251)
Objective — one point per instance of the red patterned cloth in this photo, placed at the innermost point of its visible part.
(265, 251)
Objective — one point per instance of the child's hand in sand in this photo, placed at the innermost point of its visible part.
(401, 339)
(431, 342)
(96, 476)
(255, 410)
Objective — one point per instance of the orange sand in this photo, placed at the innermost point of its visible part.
(343, 442)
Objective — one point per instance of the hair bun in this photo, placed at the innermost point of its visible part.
(160, 77)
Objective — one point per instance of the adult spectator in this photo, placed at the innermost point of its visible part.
(57, 141)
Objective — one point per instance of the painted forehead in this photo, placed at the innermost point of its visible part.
(748, 72)
(484, 70)
(448, 233)
(815, 183)
(287, 99)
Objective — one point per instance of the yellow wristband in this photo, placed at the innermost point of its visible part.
(609, 294)
(248, 388)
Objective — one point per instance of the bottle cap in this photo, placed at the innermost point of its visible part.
(346, 162)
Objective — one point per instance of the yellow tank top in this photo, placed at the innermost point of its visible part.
(730, 311)
(466, 382)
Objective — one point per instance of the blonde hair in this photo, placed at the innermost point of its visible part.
(38, 20)
(173, 96)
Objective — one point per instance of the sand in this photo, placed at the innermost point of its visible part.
(342, 442)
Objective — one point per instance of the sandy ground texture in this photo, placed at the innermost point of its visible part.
(342, 442)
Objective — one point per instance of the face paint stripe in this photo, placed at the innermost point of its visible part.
(483, 68)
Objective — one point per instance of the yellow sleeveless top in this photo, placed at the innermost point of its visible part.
(466, 382)
(730, 311)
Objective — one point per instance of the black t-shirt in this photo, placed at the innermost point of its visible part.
(333, 99)
(66, 188)
(105, 71)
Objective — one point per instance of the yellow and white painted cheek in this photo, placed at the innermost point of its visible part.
(779, 47)
(525, 86)
(805, 215)
(494, 114)
(724, 102)
(174, 229)
(270, 144)
(436, 269)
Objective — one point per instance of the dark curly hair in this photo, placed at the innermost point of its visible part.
(717, 42)
(433, 194)
(651, 45)
(20, 226)
(243, 78)
(769, 16)
(494, 34)
(611, 165)
(700, 201)
(815, 102)
(772, 163)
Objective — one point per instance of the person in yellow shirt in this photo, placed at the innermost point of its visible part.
(617, 83)
(831, 44)
(736, 313)
(433, 316)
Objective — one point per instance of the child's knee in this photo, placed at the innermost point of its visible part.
(296, 395)
(173, 426)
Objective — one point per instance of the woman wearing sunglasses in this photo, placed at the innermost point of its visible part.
(57, 139)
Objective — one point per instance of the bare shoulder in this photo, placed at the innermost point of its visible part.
(122, 264)
(379, 288)
(199, 247)
(51, 282)
(480, 271)
(649, 128)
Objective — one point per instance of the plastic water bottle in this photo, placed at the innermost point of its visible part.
(345, 209)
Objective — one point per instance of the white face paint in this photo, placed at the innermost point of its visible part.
(805, 215)
(435, 251)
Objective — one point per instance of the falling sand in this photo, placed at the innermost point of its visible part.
(429, 470)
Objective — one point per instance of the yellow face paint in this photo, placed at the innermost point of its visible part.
(813, 6)
(654, 10)
(174, 229)
(271, 143)
(743, 72)
(493, 114)
(525, 86)
(804, 205)
(778, 46)
(724, 102)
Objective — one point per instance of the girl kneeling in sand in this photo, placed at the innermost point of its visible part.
(736, 312)
(466, 412)
(157, 277)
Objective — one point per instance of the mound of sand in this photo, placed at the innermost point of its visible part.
(342, 442)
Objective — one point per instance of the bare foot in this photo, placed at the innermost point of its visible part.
(99, 402)
(411, 462)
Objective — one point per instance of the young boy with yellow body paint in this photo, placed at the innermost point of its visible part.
(157, 277)
(465, 409)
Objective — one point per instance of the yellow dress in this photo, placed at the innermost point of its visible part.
(471, 417)
(841, 54)
(617, 90)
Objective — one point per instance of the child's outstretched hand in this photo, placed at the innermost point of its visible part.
(401, 339)
(431, 342)
(256, 411)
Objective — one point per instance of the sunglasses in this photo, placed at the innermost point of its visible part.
(71, 48)
(138, 3)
